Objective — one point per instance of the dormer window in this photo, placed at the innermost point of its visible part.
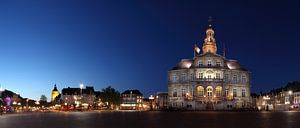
(218, 64)
(209, 63)
(200, 64)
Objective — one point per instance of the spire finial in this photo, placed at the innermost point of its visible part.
(209, 21)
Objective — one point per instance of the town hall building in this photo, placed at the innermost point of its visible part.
(208, 81)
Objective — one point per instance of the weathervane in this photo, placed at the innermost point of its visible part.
(209, 21)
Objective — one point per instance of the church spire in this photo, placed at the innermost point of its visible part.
(55, 93)
(209, 44)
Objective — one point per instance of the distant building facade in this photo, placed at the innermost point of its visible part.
(208, 81)
(279, 101)
(161, 100)
(77, 97)
(131, 100)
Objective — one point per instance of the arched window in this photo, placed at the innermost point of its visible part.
(200, 91)
(218, 91)
(209, 90)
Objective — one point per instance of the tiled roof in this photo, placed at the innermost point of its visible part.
(132, 92)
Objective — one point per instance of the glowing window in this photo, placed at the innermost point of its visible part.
(200, 91)
(209, 91)
(218, 91)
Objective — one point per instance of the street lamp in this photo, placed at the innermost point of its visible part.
(81, 87)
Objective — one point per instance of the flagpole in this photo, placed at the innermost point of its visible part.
(194, 51)
(224, 50)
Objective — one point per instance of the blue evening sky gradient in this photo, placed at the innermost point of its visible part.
(132, 44)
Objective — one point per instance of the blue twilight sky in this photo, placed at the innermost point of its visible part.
(132, 44)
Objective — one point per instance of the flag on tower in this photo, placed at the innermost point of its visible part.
(196, 49)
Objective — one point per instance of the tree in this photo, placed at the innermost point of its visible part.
(57, 99)
(110, 95)
(293, 86)
(43, 99)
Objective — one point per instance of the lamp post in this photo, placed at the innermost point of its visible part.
(290, 96)
(81, 87)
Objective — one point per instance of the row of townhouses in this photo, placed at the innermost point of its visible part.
(278, 101)
(88, 98)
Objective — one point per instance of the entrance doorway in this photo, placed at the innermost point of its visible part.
(209, 106)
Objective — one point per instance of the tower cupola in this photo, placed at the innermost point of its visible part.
(209, 44)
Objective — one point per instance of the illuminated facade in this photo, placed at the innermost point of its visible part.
(131, 100)
(78, 97)
(55, 93)
(208, 81)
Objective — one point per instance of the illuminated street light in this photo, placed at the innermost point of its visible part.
(81, 86)
(290, 92)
